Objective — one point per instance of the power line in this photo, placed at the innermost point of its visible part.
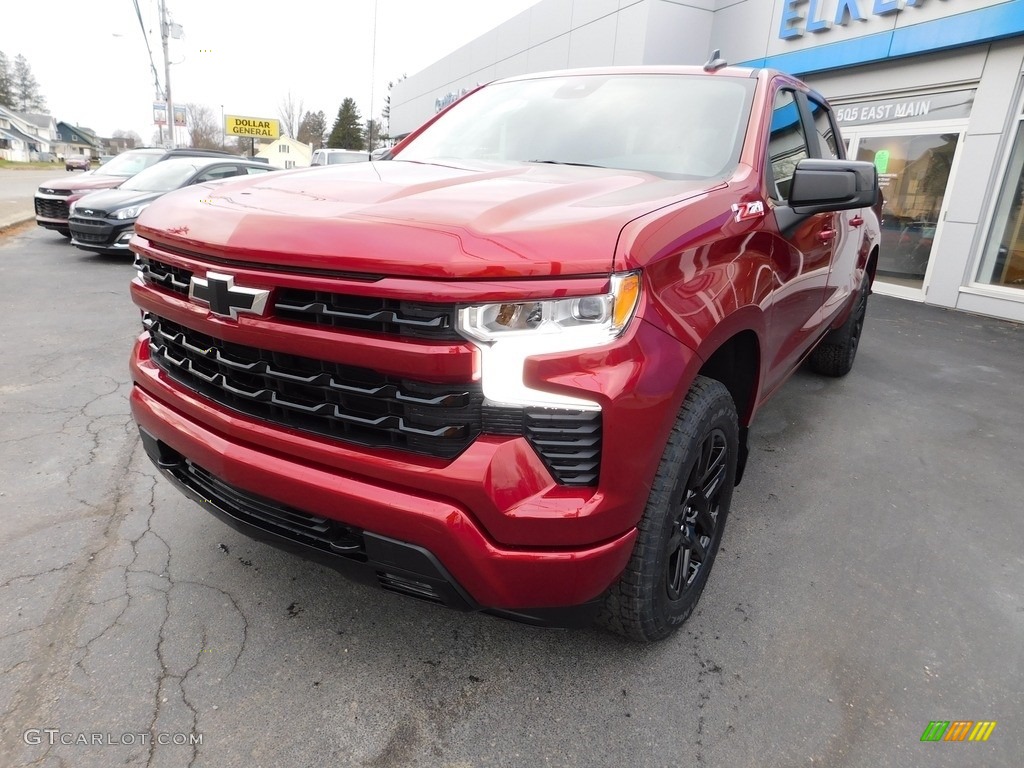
(152, 66)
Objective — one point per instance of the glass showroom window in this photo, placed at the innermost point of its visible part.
(1003, 263)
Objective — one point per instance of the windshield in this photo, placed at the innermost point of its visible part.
(162, 177)
(339, 157)
(677, 126)
(127, 164)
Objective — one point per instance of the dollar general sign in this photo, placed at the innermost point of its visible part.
(257, 127)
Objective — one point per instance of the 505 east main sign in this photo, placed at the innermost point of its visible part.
(799, 16)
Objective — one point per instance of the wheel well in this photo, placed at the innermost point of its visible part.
(736, 364)
(872, 264)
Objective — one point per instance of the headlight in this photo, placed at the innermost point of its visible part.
(129, 213)
(71, 209)
(506, 334)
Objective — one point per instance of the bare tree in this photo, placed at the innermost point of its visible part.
(240, 145)
(372, 134)
(290, 112)
(203, 127)
(312, 129)
(6, 83)
(27, 97)
(134, 140)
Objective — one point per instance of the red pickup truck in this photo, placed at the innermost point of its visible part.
(512, 367)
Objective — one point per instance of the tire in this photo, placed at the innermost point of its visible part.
(835, 354)
(681, 528)
(65, 232)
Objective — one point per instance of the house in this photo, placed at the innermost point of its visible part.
(76, 140)
(24, 138)
(286, 152)
(116, 145)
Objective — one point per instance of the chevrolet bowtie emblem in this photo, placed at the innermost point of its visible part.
(225, 298)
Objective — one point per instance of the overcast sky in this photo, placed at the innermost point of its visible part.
(91, 63)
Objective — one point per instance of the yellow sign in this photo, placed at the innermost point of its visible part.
(258, 127)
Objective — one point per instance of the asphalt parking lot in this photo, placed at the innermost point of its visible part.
(870, 582)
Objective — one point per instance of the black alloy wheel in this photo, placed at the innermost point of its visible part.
(696, 523)
(681, 528)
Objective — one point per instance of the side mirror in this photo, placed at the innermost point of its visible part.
(819, 186)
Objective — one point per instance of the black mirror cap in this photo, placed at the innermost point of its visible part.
(819, 186)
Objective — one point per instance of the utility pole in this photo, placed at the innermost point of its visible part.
(373, 70)
(165, 32)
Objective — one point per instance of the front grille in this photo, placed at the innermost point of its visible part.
(319, 532)
(174, 279)
(569, 441)
(90, 231)
(347, 403)
(368, 314)
(359, 405)
(52, 209)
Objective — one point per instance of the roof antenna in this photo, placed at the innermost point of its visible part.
(716, 62)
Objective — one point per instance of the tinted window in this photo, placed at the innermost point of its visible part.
(825, 130)
(678, 126)
(128, 164)
(343, 157)
(162, 177)
(219, 172)
(787, 144)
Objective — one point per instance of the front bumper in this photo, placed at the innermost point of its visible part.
(102, 235)
(52, 210)
(418, 545)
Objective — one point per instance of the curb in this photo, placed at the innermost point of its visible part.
(17, 219)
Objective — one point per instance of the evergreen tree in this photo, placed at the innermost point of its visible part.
(27, 97)
(6, 87)
(312, 129)
(347, 132)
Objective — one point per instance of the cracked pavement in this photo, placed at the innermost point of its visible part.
(869, 582)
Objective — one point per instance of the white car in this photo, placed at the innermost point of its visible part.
(337, 156)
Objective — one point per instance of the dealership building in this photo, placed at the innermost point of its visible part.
(929, 90)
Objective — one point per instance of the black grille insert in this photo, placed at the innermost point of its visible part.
(319, 532)
(52, 209)
(569, 441)
(348, 403)
(368, 314)
(174, 279)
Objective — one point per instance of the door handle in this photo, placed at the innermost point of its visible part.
(827, 235)
(857, 221)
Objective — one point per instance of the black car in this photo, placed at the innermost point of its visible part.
(104, 221)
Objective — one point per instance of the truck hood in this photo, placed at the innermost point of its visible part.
(413, 219)
(81, 183)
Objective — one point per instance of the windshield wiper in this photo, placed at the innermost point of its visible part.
(562, 162)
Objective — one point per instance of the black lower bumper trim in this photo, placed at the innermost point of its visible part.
(360, 555)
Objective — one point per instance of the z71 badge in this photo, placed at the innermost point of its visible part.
(747, 211)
